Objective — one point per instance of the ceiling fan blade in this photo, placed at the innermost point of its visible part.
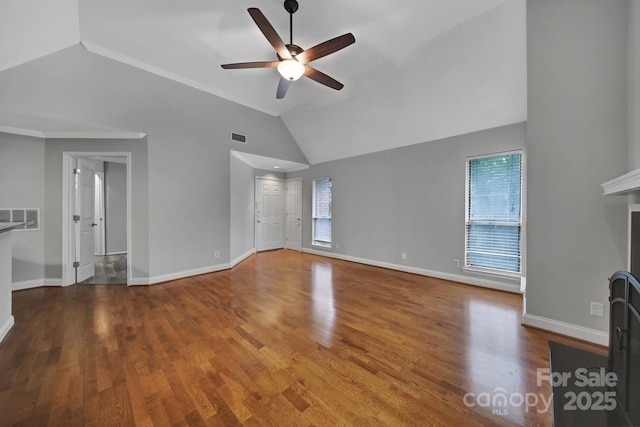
(283, 87)
(322, 78)
(266, 64)
(268, 31)
(326, 48)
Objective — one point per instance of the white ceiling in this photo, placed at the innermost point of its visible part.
(30, 29)
(420, 69)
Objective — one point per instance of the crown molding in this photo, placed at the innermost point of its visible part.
(623, 184)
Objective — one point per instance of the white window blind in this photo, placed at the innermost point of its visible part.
(494, 214)
(321, 212)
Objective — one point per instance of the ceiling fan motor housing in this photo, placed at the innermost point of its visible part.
(291, 6)
(294, 49)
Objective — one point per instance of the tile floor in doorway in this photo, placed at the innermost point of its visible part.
(110, 269)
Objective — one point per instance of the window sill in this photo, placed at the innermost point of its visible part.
(493, 273)
(321, 245)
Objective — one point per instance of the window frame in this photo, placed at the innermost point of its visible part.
(523, 210)
(314, 241)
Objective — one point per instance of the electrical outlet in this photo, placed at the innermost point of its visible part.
(597, 309)
(456, 263)
(216, 254)
(404, 255)
(337, 245)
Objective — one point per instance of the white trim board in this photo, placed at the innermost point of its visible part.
(568, 329)
(8, 324)
(72, 134)
(35, 283)
(178, 275)
(622, 184)
(475, 281)
(242, 257)
(27, 284)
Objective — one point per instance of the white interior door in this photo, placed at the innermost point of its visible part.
(85, 207)
(269, 214)
(294, 214)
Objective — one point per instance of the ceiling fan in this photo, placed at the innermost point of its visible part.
(292, 59)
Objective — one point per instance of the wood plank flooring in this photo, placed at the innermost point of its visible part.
(284, 339)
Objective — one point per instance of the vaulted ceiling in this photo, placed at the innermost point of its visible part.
(420, 70)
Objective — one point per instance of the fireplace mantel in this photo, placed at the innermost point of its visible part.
(623, 184)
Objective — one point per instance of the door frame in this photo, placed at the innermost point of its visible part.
(69, 159)
(286, 241)
(99, 213)
(255, 208)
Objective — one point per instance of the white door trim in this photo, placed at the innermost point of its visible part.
(100, 214)
(255, 208)
(68, 235)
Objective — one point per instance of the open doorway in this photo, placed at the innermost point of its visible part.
(96, 218)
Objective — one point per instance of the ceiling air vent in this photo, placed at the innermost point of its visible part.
(237, 137)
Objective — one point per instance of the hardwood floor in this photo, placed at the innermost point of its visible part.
(284, 339)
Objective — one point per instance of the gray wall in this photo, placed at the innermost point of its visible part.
(115, 184)
(188, 145)
(576, 140)
(22, 186)
(633, 67)
(242, 234)
(409, 199)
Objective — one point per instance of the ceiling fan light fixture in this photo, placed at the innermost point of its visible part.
(292, 59)
(291, 69)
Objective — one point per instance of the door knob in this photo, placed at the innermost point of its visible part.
(93, 224)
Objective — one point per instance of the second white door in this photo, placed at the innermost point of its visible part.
(294, 214)
(269, 214)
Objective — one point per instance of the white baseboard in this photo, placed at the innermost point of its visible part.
(476, 281)
(27, 284)
(138, 281)
(145, 281)
(36, 283)
(6, 327)
(187, 273)
(569, 329)
(115, 253)
(52, 282)
(242, 258)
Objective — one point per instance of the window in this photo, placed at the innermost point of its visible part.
(494, 213)
(321, 212)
